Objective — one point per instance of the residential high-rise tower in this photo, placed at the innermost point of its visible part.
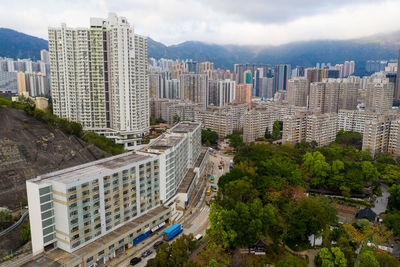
(99, 78)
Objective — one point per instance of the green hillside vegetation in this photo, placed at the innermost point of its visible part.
(68, 127)
(263, 197)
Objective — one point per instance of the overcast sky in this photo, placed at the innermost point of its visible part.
(254, 22)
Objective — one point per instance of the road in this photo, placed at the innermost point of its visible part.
(381, 202)
(195, 219)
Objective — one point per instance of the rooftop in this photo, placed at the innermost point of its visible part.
(166, 141)
(187, 181)
(185, 127)
(73, 174)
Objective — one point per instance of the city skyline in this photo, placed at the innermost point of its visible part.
(257, 22)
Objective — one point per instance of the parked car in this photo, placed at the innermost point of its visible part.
(146, 253)
(199, 236)
(135, 261)
(158, 243)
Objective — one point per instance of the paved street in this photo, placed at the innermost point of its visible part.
(381, 202)
(194, 221)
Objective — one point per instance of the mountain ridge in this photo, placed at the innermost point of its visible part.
(301, 53)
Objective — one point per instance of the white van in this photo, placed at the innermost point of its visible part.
(198, 237)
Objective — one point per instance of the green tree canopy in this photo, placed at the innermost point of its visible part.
(394, 198)
(277, 130)
(348, 138)
(367, 259)
(209, 137)
(175, 254)
(332, 257)
(318, 167)
(310, 218)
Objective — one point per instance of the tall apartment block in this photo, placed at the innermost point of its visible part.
(379, 95)
(281, 76)
(260, 119)
(194, 87)
(330, 95)
(206, 68)
(354, 120)
(297, 92)
(307, 126)
(223, 120)
(221, 92)
(377, 134)
(243, 94)
(99, 78)
(88, 214)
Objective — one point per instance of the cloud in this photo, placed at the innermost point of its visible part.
(255, 22)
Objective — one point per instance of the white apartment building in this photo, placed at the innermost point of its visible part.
(92, 212)
(308, 126)
(297, 91)
(354, 120)
(194, 87)
(330, 95)
(260, 119)
(99, 78)
(223, 120)
(178, 150)
(221, 92)
(379, 95)
(377, 134)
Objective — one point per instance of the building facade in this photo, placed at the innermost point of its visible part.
(94, 211)
(99, 78)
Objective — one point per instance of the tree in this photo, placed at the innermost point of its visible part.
(238, 191)
(209, 137)
(309, 218)
(26, 232)
(176, 119)
(175, 254)
(367, 259)
(213, 255)
(316, 164)
(369, 171)
(291, 261)
(392, 221)
(387, 260)
(241, 226)
(333, 257)
(276, 130)
(267, 134)
(394, 198)
(391, 173)
(6, 218)
(348, 138)
(235, 140)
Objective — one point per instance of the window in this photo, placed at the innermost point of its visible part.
(47, 214)
(47, 222)
(44, 190)
(71, 189)
(45, 198)
(89, 259)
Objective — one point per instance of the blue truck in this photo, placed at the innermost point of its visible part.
(172, 231)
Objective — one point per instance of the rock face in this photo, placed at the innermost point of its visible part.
(29, 148)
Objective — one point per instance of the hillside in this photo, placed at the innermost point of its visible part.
(15, 45)
(29, 148)
(298, 53)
